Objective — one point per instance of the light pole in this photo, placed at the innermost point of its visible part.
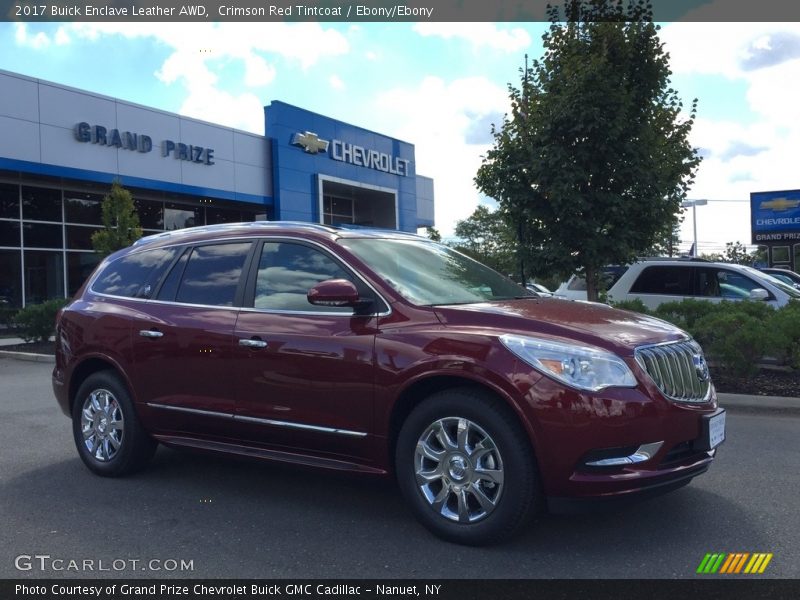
(694, 204)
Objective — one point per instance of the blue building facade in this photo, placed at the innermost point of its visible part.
(328, 171)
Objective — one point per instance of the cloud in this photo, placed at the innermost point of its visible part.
(441, 118)
(479, 35)
(336, 82)
(771, 50)
(739, 148)
(198, 52)
(38, 41)
(480, 129)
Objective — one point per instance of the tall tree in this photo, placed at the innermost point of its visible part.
(120, 222)
(486, 237)
(592, 163)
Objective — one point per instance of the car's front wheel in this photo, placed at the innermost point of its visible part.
(107, 432)
(466, 468)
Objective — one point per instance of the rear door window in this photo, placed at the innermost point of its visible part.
(213, 274)
(664, 281)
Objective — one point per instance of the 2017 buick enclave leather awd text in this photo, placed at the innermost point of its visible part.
(382, 353)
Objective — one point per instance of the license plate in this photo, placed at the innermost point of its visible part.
(716, 430)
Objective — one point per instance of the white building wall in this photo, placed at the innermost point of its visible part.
(37, 124)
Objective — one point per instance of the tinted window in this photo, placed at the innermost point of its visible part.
(664, 280)
(151, 214)
(212, 274)
(41, 204)
(39, 235)
(79, 266)
(135, 275)
(80, 238)
(83, 208)
(178, 217)
(10, 281)
(287, 271)
(706, 283)
(9, 201)
(170, 286)
(735, 285)
(9, 233)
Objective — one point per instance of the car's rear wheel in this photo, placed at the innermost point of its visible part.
(107, 432)
(466, 468)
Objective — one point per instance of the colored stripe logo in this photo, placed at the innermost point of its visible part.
(734, 563)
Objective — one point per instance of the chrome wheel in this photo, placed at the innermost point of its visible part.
(459, 470)
(102, 425)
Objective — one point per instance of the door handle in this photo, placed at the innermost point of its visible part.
(253, 343)
(150, 333)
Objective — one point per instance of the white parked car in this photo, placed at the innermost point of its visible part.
(656, 282)
(574, 288)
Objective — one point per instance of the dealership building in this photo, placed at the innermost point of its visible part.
(61, 148)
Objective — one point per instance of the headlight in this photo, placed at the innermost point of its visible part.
(581, 367)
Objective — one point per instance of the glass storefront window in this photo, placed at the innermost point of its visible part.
(44, 276)
(177, 216)
(41, 204)
(80, 207)
(9, 233)
(151, 213)
(79, 266)
(222, 215)
(39, 235)
(10, 282)
(80, 238)
(9, 201)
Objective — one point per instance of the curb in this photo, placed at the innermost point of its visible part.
(41, 358)
(759, 403)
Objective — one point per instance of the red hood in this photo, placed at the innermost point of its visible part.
(585, 322)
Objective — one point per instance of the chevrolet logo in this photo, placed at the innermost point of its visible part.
(779, 204)
(310, 142)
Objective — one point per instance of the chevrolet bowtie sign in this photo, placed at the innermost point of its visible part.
(310, 142)
(352, 154)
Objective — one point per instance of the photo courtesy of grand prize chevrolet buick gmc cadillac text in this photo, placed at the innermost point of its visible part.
(382, 353)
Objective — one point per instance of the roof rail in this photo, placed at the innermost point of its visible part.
(178, 233)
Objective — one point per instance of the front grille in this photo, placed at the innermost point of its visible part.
(678, 369)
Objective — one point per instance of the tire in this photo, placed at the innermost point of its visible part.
(108, 435)
(479, 488)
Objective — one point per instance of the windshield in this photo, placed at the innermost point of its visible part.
(427, 273)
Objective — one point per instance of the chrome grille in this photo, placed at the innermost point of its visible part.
(679, 370)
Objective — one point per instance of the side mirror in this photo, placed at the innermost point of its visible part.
(333, 292)
(759, 294)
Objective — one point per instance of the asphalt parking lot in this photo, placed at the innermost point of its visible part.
(243, 519)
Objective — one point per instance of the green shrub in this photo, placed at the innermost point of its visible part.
(685, 313)
(7, 315)
(785, 323)
(37, 322)
(634, 305)
(737, 335)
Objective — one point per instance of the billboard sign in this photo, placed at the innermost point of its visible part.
(775, 216)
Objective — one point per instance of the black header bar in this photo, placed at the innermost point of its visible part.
(370, 10)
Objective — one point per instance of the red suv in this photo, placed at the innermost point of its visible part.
(382, 353)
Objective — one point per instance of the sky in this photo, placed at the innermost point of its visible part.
(439, 86)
